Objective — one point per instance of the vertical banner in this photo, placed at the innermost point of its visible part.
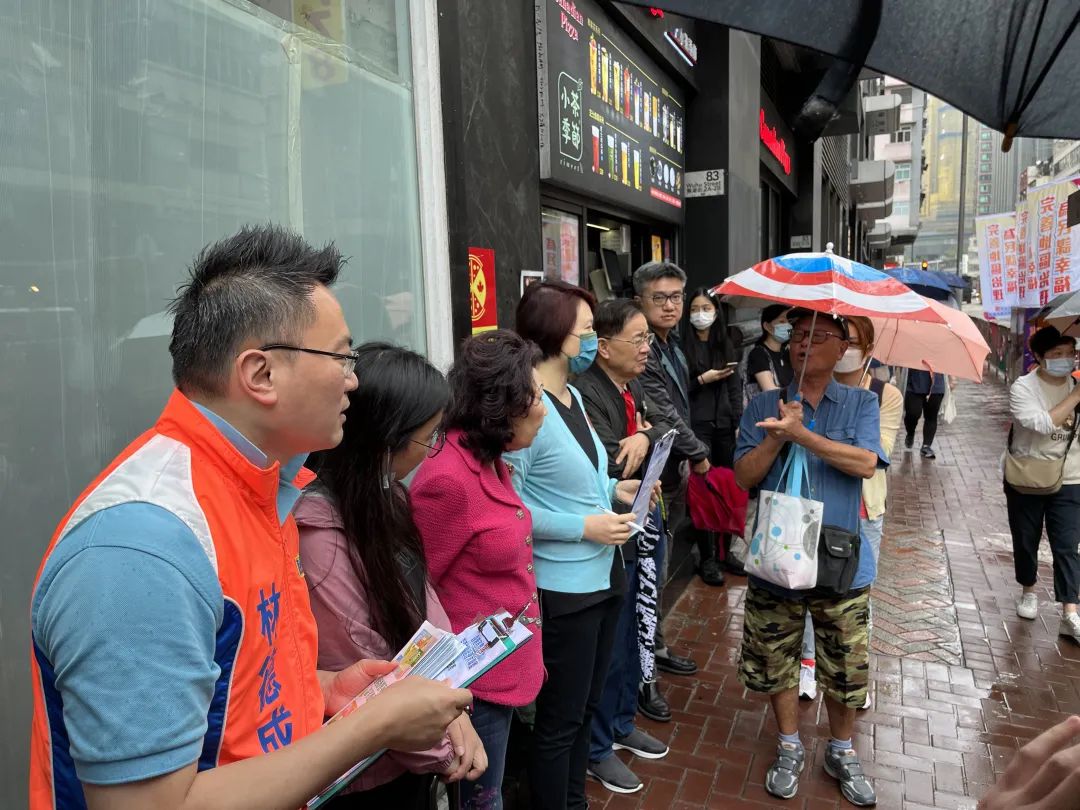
(999, 293)
(1048, 257)
(482, 289)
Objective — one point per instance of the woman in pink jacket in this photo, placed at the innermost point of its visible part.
(478, 534)
(364, 562)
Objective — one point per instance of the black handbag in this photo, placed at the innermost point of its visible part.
(838, 560)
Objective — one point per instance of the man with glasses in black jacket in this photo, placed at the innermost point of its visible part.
(659, 288)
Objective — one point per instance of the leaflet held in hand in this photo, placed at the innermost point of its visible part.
(438, 655)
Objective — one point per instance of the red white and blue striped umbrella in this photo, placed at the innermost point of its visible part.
(825, 282)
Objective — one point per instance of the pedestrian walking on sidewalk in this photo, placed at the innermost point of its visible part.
(839, 429)
(1042, 475)
(925, 392)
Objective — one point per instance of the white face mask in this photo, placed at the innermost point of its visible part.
(851, 361)
(702, 320)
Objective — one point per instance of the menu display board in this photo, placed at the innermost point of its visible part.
(612, 125)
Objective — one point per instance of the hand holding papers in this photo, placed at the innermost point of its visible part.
(438, 655)
(657, 461)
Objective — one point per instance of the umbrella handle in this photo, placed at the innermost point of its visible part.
(810, 348)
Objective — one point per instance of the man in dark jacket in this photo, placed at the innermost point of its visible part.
(660, 290)
(620, 415)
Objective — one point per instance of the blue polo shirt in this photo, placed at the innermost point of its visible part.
(847, 415)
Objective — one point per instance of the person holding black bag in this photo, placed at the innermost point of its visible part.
(1042, 475)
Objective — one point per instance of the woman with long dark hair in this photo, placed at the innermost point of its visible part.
(364, 561)
(715, 403)
(477, 533)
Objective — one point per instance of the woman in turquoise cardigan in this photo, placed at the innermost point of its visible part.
(579, 569)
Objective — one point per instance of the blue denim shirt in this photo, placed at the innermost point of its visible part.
(846, 415)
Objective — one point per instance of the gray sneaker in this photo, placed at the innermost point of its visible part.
(844, 766)
(614, 775)
(782, 779)
(640, 744)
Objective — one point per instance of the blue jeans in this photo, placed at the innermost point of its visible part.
(492, 724)
(614, 717)
(870, 531)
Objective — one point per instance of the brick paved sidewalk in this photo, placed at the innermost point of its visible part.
(958, 681)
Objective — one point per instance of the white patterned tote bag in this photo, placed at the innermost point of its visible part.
(784, 545)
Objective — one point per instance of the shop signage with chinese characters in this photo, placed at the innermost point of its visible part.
(482, 289)
(611, 123)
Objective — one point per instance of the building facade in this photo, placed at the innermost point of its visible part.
(131, 139)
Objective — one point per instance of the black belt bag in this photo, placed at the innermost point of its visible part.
(838, 559)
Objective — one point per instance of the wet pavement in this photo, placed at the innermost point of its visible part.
(958, 681)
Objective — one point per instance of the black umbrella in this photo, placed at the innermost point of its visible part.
(1012, 64)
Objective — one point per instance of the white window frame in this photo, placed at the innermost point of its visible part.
(431, 174)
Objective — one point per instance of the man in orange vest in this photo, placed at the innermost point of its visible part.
(174, 649)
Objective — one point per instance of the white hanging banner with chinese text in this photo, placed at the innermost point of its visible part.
(1047, 255)
(996, 237)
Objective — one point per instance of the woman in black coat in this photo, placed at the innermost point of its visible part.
(715, 403)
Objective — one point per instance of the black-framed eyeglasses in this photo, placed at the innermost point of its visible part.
(348, 361)
(799, 335)
(638, 340)
(434, 444)
(660, 299)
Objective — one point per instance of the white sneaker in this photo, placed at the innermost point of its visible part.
(1028, 606)
(1070, 626)
(807, 682)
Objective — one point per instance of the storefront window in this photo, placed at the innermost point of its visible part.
(134, 133)
(562, 245)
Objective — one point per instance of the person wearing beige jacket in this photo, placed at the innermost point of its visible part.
(851, 370)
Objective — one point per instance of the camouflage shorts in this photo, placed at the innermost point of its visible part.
(772, 643)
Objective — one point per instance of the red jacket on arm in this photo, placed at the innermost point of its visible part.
(477, 538)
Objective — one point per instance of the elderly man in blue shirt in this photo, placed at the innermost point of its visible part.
(839, 428)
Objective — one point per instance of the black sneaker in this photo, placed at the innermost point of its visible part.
(909, 440)
(927, 452)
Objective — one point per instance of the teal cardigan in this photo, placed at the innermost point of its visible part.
(559, 484)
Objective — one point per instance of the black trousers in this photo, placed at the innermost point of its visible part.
(927, 406)
(577, 652)
(1061, 514)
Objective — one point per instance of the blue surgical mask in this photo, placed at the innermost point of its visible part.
(1060, 366)
(782, 332)
(585, 356)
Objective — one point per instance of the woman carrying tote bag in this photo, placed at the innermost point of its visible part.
(1042, 475)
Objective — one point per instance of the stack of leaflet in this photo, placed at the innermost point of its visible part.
(438, 655)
